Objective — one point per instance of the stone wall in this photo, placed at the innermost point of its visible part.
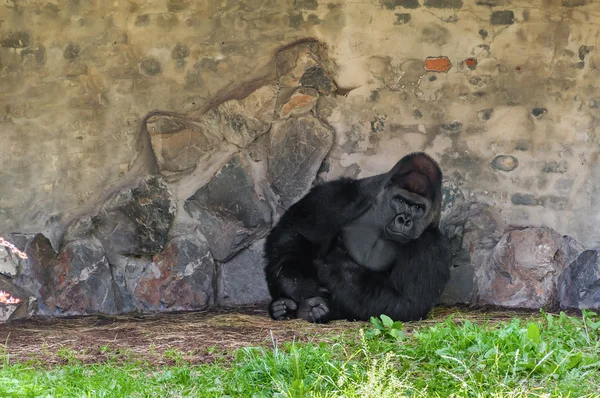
(147, 147)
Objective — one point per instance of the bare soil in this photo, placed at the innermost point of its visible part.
(199, 337)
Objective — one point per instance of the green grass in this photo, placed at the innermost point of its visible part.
(550, 356)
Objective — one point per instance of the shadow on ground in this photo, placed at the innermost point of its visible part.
(199, 337)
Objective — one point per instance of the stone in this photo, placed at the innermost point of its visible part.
(573, 3)
(316, 77)
(150, 66)
(75, 281)
(583, 51)
(136, 221)
(391, 4)
(579, 283)
(15, 39)
(471, 63)
(180, 278)
(241, 121)
(443, 3)
(437, 64)
(523, 269)
(301, 65)
(451, 128)
(504, 17)
(525, 199)
(180, 51)
(402, 19)
(474, 230)
(229, 210)
(538, 112)
(242, 279)
(306, 4)
(485, 114)
(296, 150)
(14, 301)
(72, 51)
(301, 100)
(179, 143)
(505, 163)
(555, 167)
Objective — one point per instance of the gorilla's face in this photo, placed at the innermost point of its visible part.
(405, 208)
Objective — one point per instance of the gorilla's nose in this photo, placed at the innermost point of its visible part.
(404, 220)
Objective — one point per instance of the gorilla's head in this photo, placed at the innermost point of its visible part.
(410, 199)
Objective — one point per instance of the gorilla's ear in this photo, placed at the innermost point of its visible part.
(419, 163)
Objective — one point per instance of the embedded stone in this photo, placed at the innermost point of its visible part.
(443, 3)
(555, 167)
(471, 63)
(306, 4)
(241, 121)
(525, 199)
(136, 221)
(301, 65)
(297, 148)
(485, 114)
(180, 278)
(538, 112)
(505, 163)
(72, 51)
(15, 39)
(180, 51)
(504, 17)
(230, 212)
(151, 66)
(179, 143)
(523, 269)
(14, 301)
(438, 64)
(579, 283)
(317, 78)
(301, 101)
(451, 128)
(242, 280)
(583, 51)
(573, 3)
(391, 4)
(402, 19)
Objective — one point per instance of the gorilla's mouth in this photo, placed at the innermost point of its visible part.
(396, 236)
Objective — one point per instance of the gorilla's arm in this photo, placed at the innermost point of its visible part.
(307, 230)
(407, 292)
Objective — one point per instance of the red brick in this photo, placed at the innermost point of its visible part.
(438, 64)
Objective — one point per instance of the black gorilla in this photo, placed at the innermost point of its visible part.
(352, 249)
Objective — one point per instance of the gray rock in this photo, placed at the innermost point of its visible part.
(9, 309)
(15, 39)
(296, 150)
(443, 3)
(504, 17)
(179, 279)
(474, 230)
(241, 121)
(75, 281)
(242, 279)
(230, 212)
(179, 143)
(136, 221)
(579, 284)
(523, 269)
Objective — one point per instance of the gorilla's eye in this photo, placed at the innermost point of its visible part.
(417, 208)
(398, 199)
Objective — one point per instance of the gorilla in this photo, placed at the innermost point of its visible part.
(357, 248)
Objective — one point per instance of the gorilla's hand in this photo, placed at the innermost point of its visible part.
(282, 308)
(314, 309)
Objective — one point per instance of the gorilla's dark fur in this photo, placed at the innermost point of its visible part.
(352, 249)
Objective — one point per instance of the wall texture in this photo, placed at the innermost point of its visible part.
(159, 140)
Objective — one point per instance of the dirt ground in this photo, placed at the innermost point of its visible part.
(199, 337)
